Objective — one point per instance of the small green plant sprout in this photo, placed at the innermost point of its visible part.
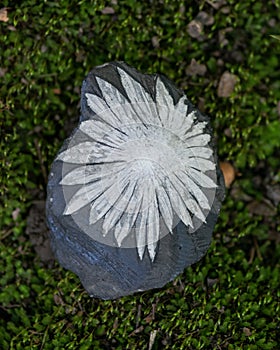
(277, 37)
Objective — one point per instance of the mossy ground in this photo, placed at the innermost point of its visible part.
(229, 300)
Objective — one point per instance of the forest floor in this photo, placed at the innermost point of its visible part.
(224, 56)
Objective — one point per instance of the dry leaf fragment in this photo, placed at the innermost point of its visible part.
(3, 71)
(149, 318)
(137, 330)
(15, 213)
(247, 331)
(58, 299)
(116, 323)
(195, 29)
(211, 282)
(56, 91)
(216, 4)
(273, 193)
(205, 18)
(228, 172)
(38, 233)
(263, 208)
(223, 41)
(195, 68)
(278, 108)
(226, 84)
(155, 41)
(108, 11)
(4, 15)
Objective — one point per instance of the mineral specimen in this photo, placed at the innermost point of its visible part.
(134, 193)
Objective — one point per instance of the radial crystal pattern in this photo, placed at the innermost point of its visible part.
(144, 162)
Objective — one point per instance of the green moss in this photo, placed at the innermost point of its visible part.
(226, 301)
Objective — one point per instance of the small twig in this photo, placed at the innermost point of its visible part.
(153, 311)
(136, 331)
(257, 248)
(152, 339)
(43, 168)
(252, 255)
(6, 234)
(138, 316)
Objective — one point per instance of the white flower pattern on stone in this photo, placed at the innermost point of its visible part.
(145, 160)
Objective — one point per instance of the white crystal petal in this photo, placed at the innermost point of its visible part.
(135, 198)
(111, 95)
(82, 197)
(183, 123)
(96, 104)
(178, 204)
(120, 209)
(125, 225)
(144, 113)
(78, 154)
(113, 216)
(201, 164)
(153, 230)
(196, 129)
(201, 152)
(153, 223)
(148, 194)
(95, 129)
(198, 141)
(142, 106)
(190, 203)
(133, 89)
(106, 155)
(153, 113)
(141, 251)
(181, 108)
(121, 232)
(111, 116)
(98, 131)
(165, 105)
(165, 207)
(164, 116)
(130, 213)
(110, 220)
(75, 177)
(89, 173)
(201, 179)
(104, 203)
(194, 208)
(194, 189)
(141, 233)
(98, 209)
(152, 250)
(146, 220)
(163, 96)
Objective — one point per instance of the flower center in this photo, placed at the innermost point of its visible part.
(156, 150)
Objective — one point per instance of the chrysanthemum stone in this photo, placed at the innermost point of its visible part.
(134, 193)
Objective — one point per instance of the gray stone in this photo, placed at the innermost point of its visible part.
(134, 193)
